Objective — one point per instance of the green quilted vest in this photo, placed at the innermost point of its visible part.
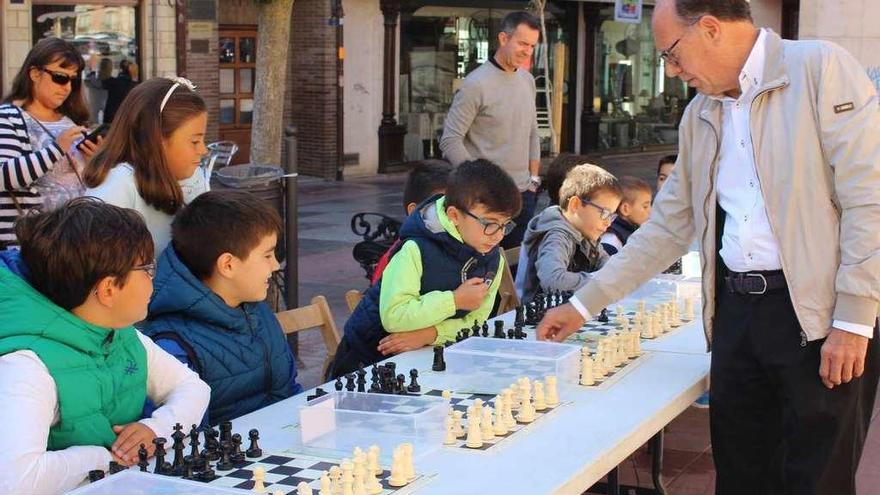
(100, 374)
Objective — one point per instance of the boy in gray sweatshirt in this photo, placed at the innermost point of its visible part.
(561, 245)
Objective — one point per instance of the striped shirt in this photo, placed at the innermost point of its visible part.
(20, 167)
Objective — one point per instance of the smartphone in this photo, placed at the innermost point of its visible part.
(92, 136)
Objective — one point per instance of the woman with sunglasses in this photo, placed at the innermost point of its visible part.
(42, 151)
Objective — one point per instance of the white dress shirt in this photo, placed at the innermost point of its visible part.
(747, 242)
(30, 408)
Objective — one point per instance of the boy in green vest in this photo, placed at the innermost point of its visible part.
(74, 373)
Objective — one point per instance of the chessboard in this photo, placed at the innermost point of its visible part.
(461, 403)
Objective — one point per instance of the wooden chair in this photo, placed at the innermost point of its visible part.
(314, 315)
(507, 289)
(353, 298)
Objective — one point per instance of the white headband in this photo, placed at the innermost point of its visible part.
(178, 81)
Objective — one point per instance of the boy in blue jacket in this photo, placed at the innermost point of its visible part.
(208, 306)
(444, 275)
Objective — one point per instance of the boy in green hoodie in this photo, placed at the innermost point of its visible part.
(74, 373)
(561, 245)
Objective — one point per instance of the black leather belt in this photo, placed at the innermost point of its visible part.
(755, 283)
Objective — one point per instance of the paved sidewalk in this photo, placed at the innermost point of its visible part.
(326, 267)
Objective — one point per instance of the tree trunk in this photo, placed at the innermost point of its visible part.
(273, 41)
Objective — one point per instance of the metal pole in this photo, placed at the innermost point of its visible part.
(291, 271)
(337, 18)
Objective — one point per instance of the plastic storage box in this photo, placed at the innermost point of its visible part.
(340, 421)
(488, 365)
(133, 482)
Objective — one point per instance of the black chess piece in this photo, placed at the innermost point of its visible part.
(194, 444)
(485, 329)
(349, 382)
(401, 384)
(254, 449)
(392, 367)
(511, 333)
(413, 386)
(161, 467)
(361, 380)
(458, 337)
(115, 467)
(603, 315)
(338, 384)
(189, 467)
(208, 473)
(319, 392)
(439, 362)
(178, 446)
(225, 463)
(225, 431)
(237, 455)
(519, 318)
(95, 475)
(374, 384)
(212, 446)
(499, 329)
(475, 330)
(142, 458)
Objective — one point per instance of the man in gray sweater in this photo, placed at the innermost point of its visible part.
(493, 115)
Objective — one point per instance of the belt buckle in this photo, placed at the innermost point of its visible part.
(761, 276)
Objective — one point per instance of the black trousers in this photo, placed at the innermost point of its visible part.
(775, 428)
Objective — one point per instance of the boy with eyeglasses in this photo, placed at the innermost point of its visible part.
(561, 246)
(74, 373)
(444, 275)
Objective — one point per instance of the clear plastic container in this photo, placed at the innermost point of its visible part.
(340, 421)
(488, 365)
(132, 482)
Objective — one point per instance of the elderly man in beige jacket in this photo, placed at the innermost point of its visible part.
(778, 176)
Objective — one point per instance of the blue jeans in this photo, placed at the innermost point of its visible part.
(514, 239)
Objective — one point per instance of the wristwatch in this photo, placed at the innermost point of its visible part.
(535, 180)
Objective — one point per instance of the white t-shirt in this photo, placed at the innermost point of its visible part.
(120, 189)
(30, 407)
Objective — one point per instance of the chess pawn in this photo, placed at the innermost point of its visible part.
(398, 477)
(259, 478)
(360, 473)
(488, 429)
(526, 410)
(335, 480)
(508, 397)
(446, 394)
(509, 420)
(648, 328)
(373, 461)
(474, 435)
(450, 431)
(302, 488)
(459, 428)
(347, 477)
(478, 406)
(540, 405)
(586, 371)
(326, 485)
(373, 486)
(474, 416)
(407, 458)
(552, 393)
(500, 424)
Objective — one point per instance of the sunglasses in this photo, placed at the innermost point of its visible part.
(491, 228)
(61, 78)
(149, 268)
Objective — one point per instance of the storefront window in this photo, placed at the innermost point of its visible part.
(99, 31)
(442, 43)
(638, 105)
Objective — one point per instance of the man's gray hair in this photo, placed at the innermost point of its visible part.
(512, 20)
(725, 10)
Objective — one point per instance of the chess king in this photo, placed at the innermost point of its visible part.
(778, 176)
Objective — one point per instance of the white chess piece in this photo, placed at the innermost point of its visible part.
(358, 452)
(302, 488)
(586, 371)
(526, 410)
(373, 460)
(689, 309)
(540, 404)
(259, 478)
(336, 480)
(509, 420)
(478, 406)
(499, 423)
(373, 486)
(347, 477)
(360, 474)
(409, 469)
(446, 394)
(488, 429)
(552, 393)
(474, 435)
(398, 476)
(326, 485)
(450, 431)
(459, 428)
(641, 305)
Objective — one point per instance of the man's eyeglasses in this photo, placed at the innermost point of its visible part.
(150, 268)
(61, 78)
(667, 54)
(492, 228)
(604, 213)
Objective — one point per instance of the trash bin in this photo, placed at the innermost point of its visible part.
(263, 181)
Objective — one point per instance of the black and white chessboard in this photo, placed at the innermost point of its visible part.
(461, 402)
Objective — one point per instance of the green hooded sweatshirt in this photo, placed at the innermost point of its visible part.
(100, 374)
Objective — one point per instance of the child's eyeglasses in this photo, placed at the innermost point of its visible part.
(492, 228)
(61, 78)
(604, 213)
(150, 268)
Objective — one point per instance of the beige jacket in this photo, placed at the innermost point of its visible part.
(815, 125)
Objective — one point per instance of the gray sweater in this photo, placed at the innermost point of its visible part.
(493, 117)
(555, 256)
